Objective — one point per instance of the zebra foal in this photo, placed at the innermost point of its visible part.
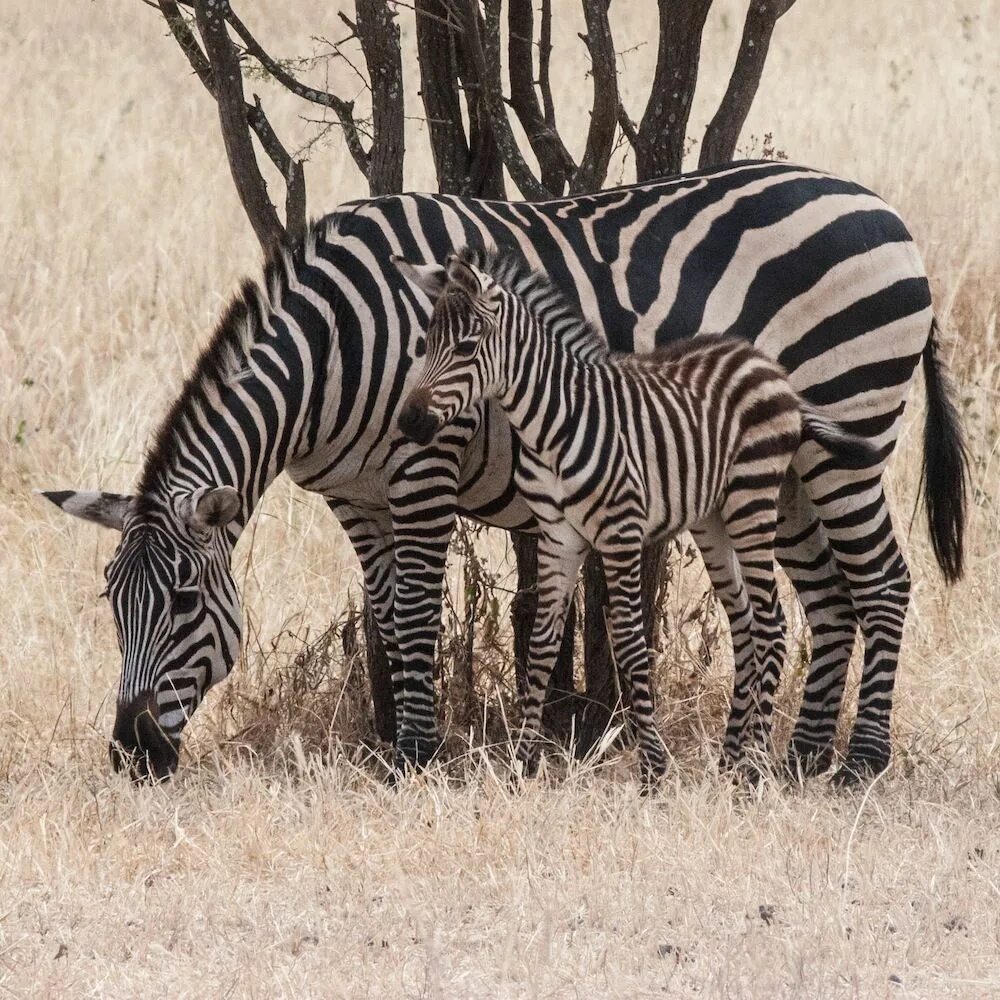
(617, 450)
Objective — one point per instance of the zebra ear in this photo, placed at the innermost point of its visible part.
(106, 509)
(429, 278)
(213, 507)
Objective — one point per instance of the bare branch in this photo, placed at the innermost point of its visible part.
(723, 131)
(438, 59)
(660, 147)
(485, 50)
(228, 80)
(604, 111)
(627, 125)
(291, 170)
(556, 164)
(544, 57)
(344, 110)
(485, 170)
(184, 37)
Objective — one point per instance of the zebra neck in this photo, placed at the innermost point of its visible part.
(546, 383)
(242, 432)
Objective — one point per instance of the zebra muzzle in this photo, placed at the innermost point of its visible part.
(416, 421)
(139, 745)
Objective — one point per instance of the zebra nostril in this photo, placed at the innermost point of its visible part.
(139, 744)
(417, 423)
(409, 419)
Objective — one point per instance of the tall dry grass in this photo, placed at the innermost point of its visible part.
(276, 864)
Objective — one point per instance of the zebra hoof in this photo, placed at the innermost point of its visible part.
(650, 775)
(526, 764)
(806, 760)
(728, 762)
(414, 753)
(748, 770)
(860, 769)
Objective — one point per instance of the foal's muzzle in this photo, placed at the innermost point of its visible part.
(138, 744)
(416, 421)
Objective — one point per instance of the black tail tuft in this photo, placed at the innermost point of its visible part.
(944, 474)
(851, 451)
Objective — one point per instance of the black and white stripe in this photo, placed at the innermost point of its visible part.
(616, 451)
(309, 371)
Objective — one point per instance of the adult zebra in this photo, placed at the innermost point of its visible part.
(307, 372)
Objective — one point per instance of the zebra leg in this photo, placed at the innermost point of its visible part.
(371, 535)
(561, 552)
(865, 547)
(751, 523)
(723, 568)
(803, 551)
(423, 501)
(623, 570)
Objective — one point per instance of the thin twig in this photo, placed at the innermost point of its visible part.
(184, 37)
(344, 110)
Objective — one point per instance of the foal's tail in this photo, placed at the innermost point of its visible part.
(852, 450)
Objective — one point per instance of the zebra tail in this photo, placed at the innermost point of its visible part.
(944, 472)
(853, 451)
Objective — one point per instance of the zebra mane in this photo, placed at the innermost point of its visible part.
(225, 359)
(553, 309)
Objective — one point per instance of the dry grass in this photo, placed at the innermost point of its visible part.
(275, 867)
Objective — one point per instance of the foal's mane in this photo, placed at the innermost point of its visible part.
(555, 311)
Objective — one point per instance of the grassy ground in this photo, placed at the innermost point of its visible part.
(276, 864)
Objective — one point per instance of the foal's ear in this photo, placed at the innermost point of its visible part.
(429, 278)
(107, 509)
(467, 276)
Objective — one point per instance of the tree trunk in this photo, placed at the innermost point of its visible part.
(662, 131)
(485, 169)
(554, 160)
(228, 84)
(437, 56)
(603, 699)
(723, 131)
(379, 37)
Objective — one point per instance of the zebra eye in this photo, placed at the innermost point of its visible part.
(467, 347)
(185, 601)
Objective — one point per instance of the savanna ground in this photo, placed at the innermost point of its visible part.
(276, 864)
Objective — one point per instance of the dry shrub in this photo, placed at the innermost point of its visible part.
(312, 691)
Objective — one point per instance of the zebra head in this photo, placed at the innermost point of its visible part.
(460, 369)
(176, 612)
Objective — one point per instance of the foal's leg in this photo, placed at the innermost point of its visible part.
(561, 552)
(623, 571)
(723, 567)
(751, 523)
